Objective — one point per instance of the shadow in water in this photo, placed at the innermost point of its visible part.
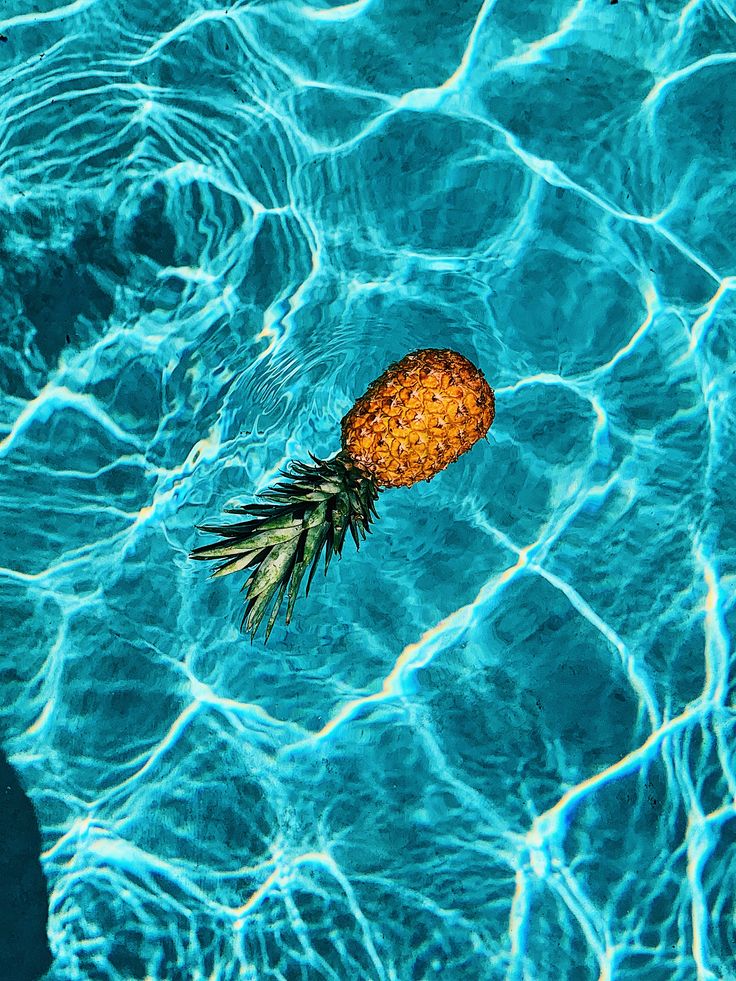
(24, 903)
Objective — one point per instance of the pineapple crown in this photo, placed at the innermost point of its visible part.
(298, 519)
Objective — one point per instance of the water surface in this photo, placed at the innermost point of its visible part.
(498, 743)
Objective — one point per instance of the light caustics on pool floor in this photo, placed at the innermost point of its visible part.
(498, 742)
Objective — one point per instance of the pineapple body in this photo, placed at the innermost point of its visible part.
(418, 417)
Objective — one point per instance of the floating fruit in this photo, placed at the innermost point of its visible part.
(417, 418)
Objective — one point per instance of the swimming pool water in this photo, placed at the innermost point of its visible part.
(498, 742)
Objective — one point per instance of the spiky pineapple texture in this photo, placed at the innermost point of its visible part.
(418, 417)
(309, 512)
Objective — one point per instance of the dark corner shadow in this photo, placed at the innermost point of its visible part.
(24, 901)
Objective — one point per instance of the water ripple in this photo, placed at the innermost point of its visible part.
(506, 726)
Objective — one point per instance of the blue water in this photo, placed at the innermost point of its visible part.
(498, 742)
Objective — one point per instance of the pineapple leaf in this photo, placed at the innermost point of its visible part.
(276, 606)
(285, 534)
(354, 532)
(321, 535)
(269, 573)
(235, 565)
(300, 567)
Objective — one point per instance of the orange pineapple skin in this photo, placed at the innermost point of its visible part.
(418, 417)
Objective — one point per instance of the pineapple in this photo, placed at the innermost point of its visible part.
(418, 417)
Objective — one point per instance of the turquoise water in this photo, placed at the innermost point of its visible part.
(498, 742)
